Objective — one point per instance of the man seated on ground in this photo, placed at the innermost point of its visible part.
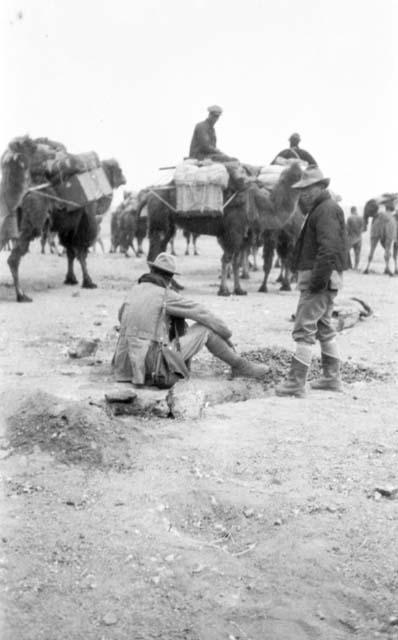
(355, 228)
(295, 152)
(204, 140)
(140, 326)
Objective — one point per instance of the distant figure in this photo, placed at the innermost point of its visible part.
(204, 140)
(355, 228)
(294, 151)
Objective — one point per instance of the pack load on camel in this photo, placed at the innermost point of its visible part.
(43, 185)
(200, 187)
(228, 202)
(269, 174)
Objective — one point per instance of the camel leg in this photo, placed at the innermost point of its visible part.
(268, 256)
(395, 256)
(254, 254)
(373, 245)
(387, 256)
(70, 277)
(101, 244)
(238, 291)
(195, 236)
(187, 240)
(244, 259)
(87, 283)
(17, 252)
(285, 281)
(223, 290)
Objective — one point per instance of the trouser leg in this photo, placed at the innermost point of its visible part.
(313, 321)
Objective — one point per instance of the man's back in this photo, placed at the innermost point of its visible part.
(204, 141)
(295, 153)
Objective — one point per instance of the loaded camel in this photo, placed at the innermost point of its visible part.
(248, 210)
(77, 229)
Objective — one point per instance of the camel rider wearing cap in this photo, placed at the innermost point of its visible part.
(320, 257)
(295, 152)
(204, 140)
(140, 326)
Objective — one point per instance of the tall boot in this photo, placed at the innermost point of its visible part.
(239, 366)
(294, 385)
(330, 379)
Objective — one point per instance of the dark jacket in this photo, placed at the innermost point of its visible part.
(296, 152)
(204, 141)
(322, 244)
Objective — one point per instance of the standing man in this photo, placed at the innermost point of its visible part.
(295, 152)
(154, 312)
(204, 140)
(355, 229)
(320, 258)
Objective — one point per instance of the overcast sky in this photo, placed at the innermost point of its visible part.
(130, 79)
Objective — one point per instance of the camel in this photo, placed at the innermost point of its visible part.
(283, 240)
(77, 229)
(248, 209)
(383, 230)
(15, 166)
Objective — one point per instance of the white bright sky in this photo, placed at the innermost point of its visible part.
(130, 79)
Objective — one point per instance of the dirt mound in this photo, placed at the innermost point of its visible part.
(74, 432)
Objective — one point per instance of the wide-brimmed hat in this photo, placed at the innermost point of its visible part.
(311, 176)
(214, 108)
(165, 262)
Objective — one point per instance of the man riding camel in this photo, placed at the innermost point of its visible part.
(204, 140)
(295, 152)
(154, 312)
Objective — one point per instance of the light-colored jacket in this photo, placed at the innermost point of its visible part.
(139, 316)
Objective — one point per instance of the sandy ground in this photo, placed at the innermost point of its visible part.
(259, 521)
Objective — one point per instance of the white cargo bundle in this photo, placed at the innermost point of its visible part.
(270, 175)
(213, 173)
(200, 188)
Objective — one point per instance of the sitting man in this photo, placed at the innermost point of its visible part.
(140, 326)
(295, 152)
(204, 140)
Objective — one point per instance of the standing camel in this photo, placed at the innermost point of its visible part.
(383, 230)
(77, 229)
(248, 210)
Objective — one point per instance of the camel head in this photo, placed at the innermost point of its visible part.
(113, 173)
(284, 198)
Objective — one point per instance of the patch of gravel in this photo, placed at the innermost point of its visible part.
(278, 360)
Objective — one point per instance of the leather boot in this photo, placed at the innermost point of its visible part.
(239, 366)
(294, 385)
(330, 379)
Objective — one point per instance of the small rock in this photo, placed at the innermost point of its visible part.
(277, 522)
(109, 619)
(248, 513)
(97, 323)
(393, 620)
(84, 348)
(388, 491)
(155, 580)
(76, 294)
(170, 558)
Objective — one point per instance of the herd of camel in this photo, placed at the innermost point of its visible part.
(252, 217)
